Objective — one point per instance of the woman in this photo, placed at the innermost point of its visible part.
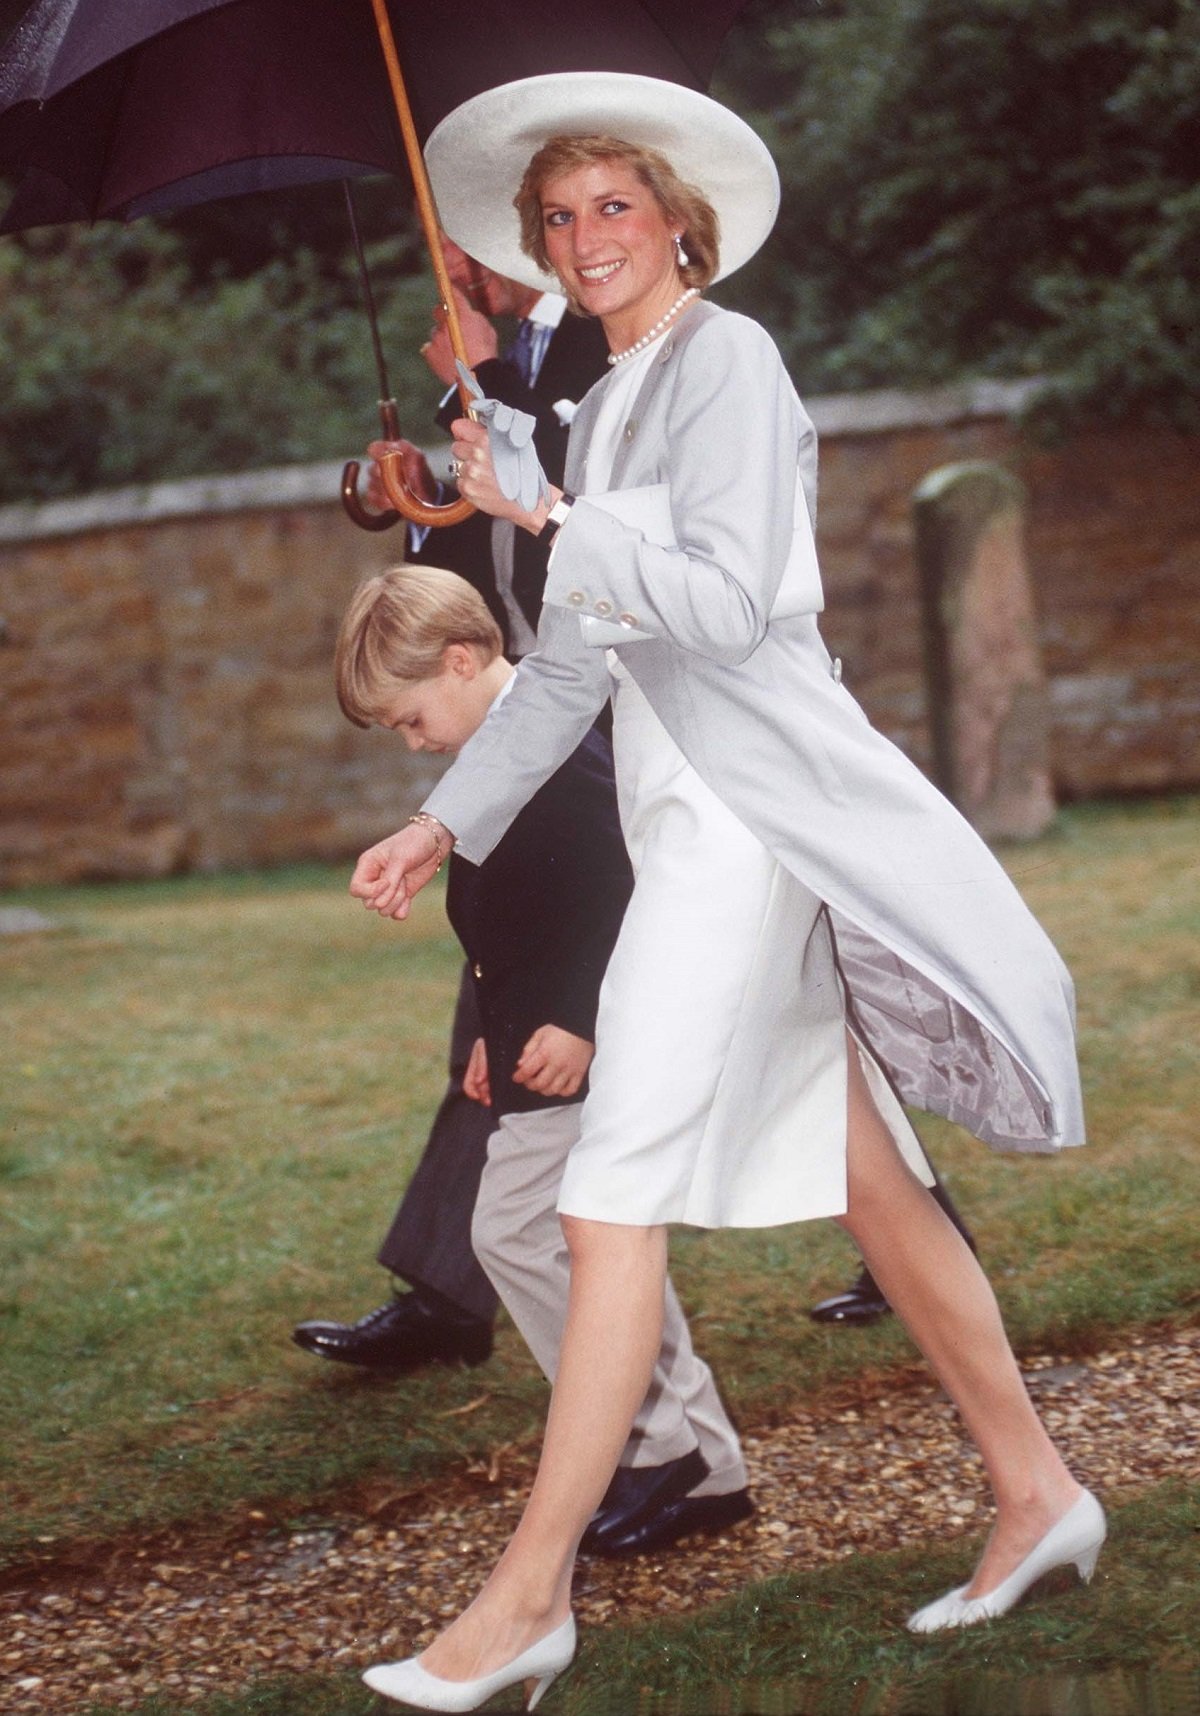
(811, 925)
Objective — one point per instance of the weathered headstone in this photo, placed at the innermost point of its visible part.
(988, 705)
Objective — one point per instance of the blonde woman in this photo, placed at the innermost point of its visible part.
(814, 933)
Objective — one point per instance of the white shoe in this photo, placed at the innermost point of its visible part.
(1076, 1537)
(542, 1663)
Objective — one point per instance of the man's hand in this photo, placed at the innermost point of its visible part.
(479, 338)
(554, 1062)
(475, 1079)
(389, 876)
(417, 474)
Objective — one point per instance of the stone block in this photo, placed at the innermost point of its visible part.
(986, 683)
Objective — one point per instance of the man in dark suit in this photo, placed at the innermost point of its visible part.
(448, 1312)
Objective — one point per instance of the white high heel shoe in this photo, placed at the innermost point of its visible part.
(1077, 1536)
(541, 1664)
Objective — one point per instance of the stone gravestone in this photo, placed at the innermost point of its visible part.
(988, 705)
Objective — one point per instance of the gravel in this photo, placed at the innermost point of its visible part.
(882, 1464)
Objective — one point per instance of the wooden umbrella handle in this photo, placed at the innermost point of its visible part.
(395, 485)
(390, 468)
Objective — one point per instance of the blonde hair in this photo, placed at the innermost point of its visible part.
(397, 629)
(701, 235)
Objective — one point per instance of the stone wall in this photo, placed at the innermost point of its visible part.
(166, 685)
(165, 690)
(1114, 549)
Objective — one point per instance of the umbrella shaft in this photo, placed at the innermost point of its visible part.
(425, 203)
(385, 386)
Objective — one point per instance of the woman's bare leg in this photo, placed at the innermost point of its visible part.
(612, 1337)
(935, 1285)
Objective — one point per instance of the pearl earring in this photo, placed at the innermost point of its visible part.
(681, 256)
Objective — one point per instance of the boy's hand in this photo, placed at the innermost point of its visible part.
(475, 1079)
(554, 1062)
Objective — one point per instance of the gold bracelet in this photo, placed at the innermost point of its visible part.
(431, 825)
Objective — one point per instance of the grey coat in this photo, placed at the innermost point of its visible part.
(957, 989)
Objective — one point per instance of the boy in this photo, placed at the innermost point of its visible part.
(419, 653)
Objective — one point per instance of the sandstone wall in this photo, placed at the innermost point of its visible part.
(165, 694)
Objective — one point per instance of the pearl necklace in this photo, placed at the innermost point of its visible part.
(649, 338)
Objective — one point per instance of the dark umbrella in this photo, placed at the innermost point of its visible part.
(120, 108)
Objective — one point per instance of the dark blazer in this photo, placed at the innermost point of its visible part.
(574, 361)
(538, 919)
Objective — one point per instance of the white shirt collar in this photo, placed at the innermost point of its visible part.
(549, 310)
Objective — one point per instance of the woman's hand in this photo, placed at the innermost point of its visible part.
(554, 1062)
(389, 875)
(475, 1080)
(476, 478)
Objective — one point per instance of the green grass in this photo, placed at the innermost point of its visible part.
(213, 1091)
(832, 1641)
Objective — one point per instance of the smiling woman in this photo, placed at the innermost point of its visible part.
(814, 934)
(600, 212)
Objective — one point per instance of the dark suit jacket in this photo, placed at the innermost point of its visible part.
(539, 917)
(574, 361)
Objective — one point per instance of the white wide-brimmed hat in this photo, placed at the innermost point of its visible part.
(478, 154)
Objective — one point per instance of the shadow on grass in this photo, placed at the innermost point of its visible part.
(832, 1643)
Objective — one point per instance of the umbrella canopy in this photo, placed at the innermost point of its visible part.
(129, 107)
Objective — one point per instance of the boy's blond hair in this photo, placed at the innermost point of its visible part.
(397, 629)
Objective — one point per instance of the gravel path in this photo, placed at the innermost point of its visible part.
(871, 1471)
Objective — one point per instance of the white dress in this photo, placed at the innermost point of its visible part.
(718, 1091)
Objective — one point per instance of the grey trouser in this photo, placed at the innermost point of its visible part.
(518, 1239)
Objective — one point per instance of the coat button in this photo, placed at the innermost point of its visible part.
(604, 609)
(627, 619)
(577, 598)
(630, 430)
(837, 670)
(478, 970)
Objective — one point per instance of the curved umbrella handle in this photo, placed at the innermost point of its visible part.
(391, 475)
(360, 515)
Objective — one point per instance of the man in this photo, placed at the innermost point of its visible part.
(447, 1314)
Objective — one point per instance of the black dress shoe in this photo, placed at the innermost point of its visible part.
(410, 1331)
(636, 1492)
(682, 1518)
(862, 1303)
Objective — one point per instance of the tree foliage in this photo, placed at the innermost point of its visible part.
(984, 187)
(127, 360)
(971, 187)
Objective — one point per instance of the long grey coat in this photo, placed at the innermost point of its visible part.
(958, 990)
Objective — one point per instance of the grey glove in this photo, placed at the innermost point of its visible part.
(518, 470)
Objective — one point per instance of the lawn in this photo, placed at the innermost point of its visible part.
(215, 1087)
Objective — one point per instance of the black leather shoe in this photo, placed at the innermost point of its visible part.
(862, 1303)
(682, 1518)
(636, 1492)
(404, 1334)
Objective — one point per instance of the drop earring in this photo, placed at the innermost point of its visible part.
(681, 256)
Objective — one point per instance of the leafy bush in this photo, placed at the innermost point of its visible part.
(120, 367)
(983, 187)
(972, 187)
